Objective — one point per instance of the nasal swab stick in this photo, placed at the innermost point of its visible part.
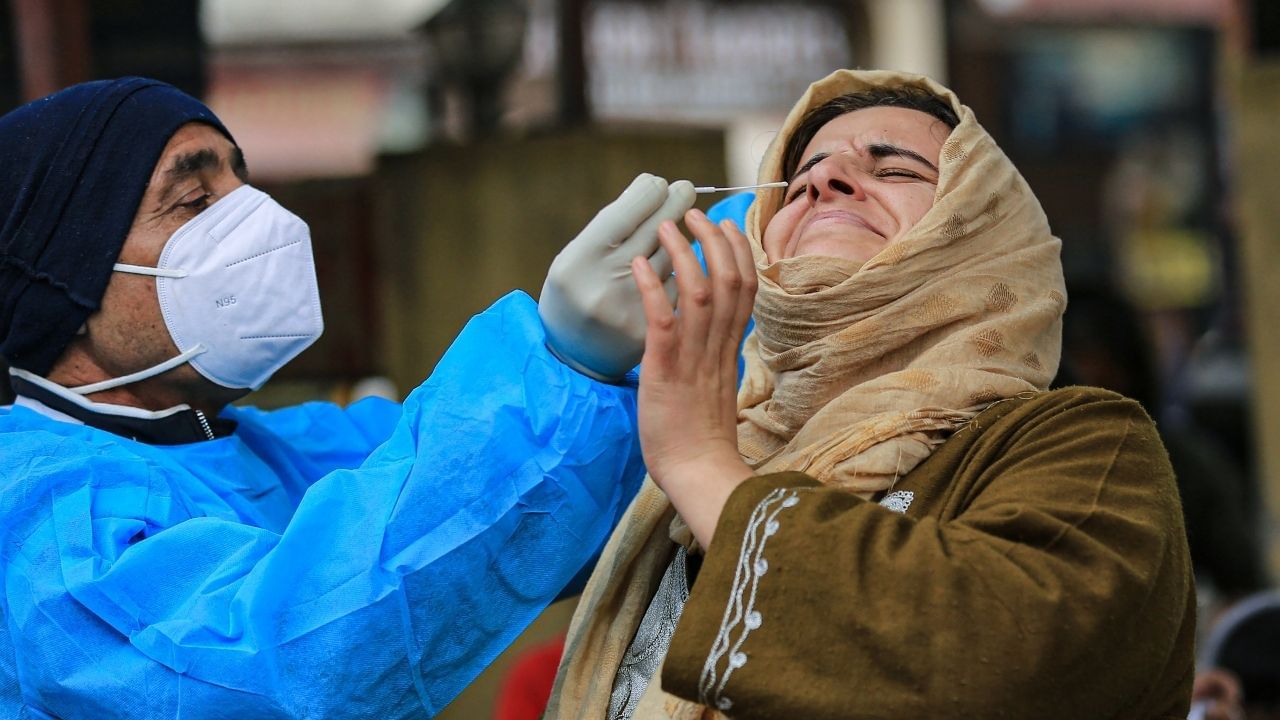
(711, 189)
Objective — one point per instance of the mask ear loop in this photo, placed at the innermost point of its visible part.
(152, 371)
(146, 270)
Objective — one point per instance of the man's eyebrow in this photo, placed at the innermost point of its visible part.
(238, 165)
(880, 150)
(193, 163)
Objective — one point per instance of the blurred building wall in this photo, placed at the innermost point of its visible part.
(908, 35)
(339, 211)
(10, 90)
(460, 225)
(1257, 157)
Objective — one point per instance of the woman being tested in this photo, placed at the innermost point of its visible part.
(895, 519)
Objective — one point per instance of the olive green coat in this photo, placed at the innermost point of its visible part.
(1039, 570)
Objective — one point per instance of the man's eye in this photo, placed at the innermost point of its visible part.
(199, 203)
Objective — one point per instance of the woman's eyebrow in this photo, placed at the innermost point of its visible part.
(879, 150)
(817, 158)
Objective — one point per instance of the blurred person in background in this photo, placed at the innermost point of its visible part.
(1104, 345)
(896, 518)
(1216, 695)
(168, 554)
(526, 685)
(1241, 661)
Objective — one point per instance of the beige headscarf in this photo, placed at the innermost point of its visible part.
(854, 374)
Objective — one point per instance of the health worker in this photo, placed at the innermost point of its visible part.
(166, 554)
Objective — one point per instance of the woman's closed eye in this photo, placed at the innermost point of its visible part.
(899, 172)
(799, 188)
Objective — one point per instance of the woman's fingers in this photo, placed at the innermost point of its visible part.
(660, 321)
(660, 261)
(746, 263)
(711, 309)
(722, 272)
(693, 305)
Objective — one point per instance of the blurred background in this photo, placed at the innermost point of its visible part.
(444, 151)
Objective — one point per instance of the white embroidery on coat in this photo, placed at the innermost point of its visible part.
(752, 565)
(898, 501)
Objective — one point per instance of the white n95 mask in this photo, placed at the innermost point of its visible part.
(237, 289)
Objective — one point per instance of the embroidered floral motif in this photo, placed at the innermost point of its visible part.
(898, 501)
(740, 618)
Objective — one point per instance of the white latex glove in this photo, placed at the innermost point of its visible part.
(589, 303)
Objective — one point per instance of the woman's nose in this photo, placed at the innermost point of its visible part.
(830, 178)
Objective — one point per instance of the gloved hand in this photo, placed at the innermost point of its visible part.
(589, 303)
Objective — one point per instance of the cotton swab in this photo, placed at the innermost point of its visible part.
(712, 189)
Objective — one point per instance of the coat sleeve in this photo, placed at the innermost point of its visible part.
(393, 585)
(315, 438)
(1061, 589)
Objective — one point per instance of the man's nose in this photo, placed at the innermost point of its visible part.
(831, 178)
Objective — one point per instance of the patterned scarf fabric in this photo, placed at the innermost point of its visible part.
(855, 373)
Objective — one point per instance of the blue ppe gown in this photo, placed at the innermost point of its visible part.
(321, 562)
